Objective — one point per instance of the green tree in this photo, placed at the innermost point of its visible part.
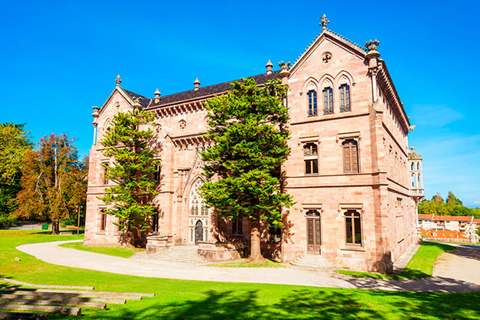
(452, 200)
(77, 188)
(14, 144)
(248, 128)
(476, 213)
(427, 207)
(452, 207)
(128, 144)
(47, 179)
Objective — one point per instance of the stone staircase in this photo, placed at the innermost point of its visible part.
(313, 262)
(181, 254)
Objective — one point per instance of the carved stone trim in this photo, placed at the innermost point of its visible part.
(349, 135)
(314, 139)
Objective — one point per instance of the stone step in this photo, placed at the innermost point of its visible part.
(74, 311)
(83, 294)
(182, 254)
(61, 298)
(23, 315)
(51, 302)
(45, 285)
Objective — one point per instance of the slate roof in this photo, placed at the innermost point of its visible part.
(143, 100)
(210, 90)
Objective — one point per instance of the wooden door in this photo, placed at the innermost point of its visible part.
(198, 231)
(314, 234)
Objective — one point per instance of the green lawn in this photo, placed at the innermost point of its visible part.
(421, 265)
(178, 299)
(244, 264)
(123, 252)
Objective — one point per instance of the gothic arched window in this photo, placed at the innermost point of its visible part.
(328, 100)
(312, 103)
(197, 203)
(194, 211)
(345, 98)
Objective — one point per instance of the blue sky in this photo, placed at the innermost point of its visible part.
(59, 58)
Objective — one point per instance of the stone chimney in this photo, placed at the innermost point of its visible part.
(269, 67)
(196, 84)
(157, 96)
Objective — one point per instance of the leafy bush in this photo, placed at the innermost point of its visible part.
(7, 221)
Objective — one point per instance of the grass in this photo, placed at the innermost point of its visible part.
(245, 264)
(178, 299)
(122, 252)
(371, 275)
(420, 266)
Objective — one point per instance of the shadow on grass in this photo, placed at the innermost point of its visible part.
(309, 304)
(6, 285)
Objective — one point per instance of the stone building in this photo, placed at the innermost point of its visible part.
(350, 171)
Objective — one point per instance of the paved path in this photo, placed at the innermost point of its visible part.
(51, 253)
(462, 263)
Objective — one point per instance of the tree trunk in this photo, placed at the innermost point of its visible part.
(55, 226)
(255, 241)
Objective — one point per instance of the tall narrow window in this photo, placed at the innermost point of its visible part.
(105, 173)
(103, 221)
(345, 98)
(310, 156)
(157, 173)
(237, 227)
(155, 221)
(204, 210)
(350, 156)
(194, 207)
(312, 103)
(328, 101)
(353, 229)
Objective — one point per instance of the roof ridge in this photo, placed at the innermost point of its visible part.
(225, 82)
(210, 90)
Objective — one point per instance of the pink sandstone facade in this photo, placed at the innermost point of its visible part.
(349, 171)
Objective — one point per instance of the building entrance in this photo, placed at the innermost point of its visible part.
(314, 233)
(198, 231)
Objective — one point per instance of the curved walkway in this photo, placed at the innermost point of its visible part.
(51, 253)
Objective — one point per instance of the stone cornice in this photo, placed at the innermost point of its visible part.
(182, 142)
(179, 108)
(388, 88)
(328, 118)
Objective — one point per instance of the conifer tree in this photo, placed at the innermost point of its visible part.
(243, 167)
(128, 143)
